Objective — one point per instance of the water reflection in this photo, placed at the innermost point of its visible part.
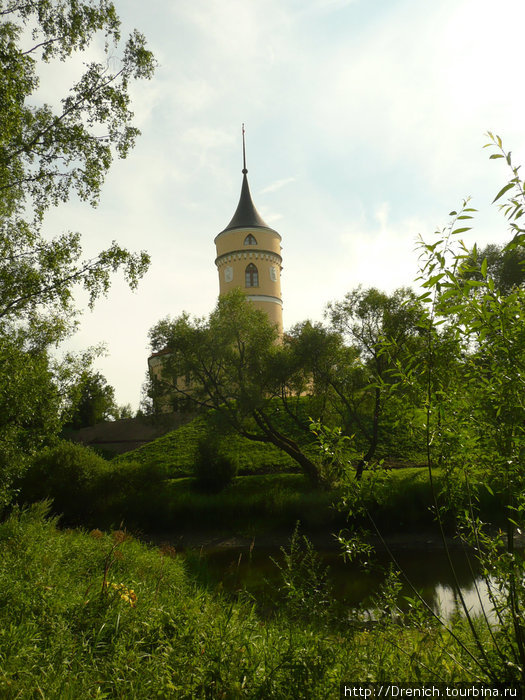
(426, 571)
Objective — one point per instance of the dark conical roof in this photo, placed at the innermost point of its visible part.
(246, 215)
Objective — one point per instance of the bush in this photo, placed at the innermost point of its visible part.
(214, 468)
(70, 475)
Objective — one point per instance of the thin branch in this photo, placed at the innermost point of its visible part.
(27, 147)
(43, 43)
(46, 290)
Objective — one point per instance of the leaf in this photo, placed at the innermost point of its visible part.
(474, 283)
(484, 267)
(461, 230)
(496, 155)
(433, 280)
(452, 309)
(502, 191)
(449, 293)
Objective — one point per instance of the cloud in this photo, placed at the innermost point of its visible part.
(277, 185)
(377, 109)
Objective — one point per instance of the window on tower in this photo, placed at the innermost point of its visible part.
(250, 240)
(252, 276)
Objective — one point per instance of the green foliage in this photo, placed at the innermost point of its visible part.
(352, 368)
(69, 475)
(92, 399)
(305, 582)
(399, 500)
(30, 405)
(175, 452)
(249, 505)
(46, 155)
(232, 363)
(87, 490)
(86, 615)
(214, 468)
(336, 451)
(504, 264)
(475, 413)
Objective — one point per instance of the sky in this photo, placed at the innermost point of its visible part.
(365, 126)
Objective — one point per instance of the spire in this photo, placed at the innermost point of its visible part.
(246, 215)
(244, 168)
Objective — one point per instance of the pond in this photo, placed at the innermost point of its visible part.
(427, 570)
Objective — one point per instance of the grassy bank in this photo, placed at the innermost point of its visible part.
(249, 505)
(400, 501)
(87, 490)
(85, 615)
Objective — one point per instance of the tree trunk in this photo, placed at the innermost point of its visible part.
(309, 468)
(374, 439)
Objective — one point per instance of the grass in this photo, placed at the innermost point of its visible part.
(87, 490)
(250, 504)
(70, 628)
(399, 500)
(174, 453)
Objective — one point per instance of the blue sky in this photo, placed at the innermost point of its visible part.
(365, 121)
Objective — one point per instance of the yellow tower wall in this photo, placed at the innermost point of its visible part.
(234, 255)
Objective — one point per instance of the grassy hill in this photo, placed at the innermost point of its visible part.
(174, 453)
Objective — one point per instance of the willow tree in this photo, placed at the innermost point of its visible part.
(231, 362)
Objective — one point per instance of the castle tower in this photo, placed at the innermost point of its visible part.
(249, 255)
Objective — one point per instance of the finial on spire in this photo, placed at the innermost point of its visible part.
(244, 170)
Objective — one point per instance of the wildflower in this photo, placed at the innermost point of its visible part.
(127, 595)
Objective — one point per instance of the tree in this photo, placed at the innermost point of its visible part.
(93, 401)
(505, 265)
(485, 317)
(124, 411)
(381, 332)
(46, 154)
(231, 362)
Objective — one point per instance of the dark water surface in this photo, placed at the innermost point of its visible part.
(428, 571)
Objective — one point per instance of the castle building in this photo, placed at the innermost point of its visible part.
(249, 256)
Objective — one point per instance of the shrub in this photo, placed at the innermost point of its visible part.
(132, 493)
(214, 468)
(70, 475)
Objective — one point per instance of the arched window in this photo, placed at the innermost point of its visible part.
(252, 276)
(250, 240)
